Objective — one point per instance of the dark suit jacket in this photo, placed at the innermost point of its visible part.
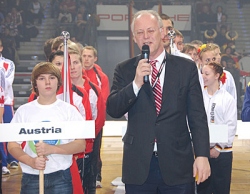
(182, 98)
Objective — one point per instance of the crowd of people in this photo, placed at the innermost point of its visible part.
(18, 20)
(90, 89)
(191, 86)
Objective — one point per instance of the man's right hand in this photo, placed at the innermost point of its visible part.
(143, 69)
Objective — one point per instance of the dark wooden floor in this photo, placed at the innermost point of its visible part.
(112, 160)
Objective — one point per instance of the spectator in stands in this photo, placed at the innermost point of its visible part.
(36, 11)
(55, 8)
(221, 36)
(223, 22)
(229, 52)
(71, 5)
(11, 31)
(65, 21)
(16, 19)
(206, 19)
(21, 6)
(81, 22)
(64, 15)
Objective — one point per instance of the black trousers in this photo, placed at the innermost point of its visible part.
(1, 174)
(220, 179)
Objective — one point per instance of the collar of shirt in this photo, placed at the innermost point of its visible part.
(160, 59)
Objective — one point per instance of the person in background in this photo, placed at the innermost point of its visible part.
(158, 152)
(221, 109)
(47, 48)
(168, 25)
(9, 68)
(179, 40)
(2, 86)
(36, 11)
(98, 77)
(245, 114)
(78, 77)
(191, 50)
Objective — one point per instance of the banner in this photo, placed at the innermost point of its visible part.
(115, 17)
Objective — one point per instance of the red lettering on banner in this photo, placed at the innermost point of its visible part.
(114, 17)
(181, 17)
(104, 16)
(117, 17)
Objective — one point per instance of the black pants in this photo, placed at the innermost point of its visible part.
(1, 174)
(220, 179)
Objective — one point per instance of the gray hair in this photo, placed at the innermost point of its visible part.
(146, 12)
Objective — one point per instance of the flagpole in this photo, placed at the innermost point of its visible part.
(65, 36)
(41, 178)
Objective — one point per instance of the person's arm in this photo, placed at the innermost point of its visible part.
(245, 114)
(73, 147)
(17, 152)
(197, 121)
(1, 114)
(230, 117)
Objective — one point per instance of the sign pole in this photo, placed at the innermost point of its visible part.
(41, 178)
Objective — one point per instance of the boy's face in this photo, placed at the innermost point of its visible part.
(47, 85)
(179, 42)
(193, 54)
(58, 62)
(75, 66)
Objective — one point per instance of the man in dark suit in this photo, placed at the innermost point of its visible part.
(158, 153)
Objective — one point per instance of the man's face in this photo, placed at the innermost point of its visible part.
(179, 43)
(88, 58)
(167, 25)
(147, 31)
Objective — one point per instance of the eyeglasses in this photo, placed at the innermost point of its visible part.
(140, 33)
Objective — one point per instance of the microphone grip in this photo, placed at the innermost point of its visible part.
(146, 56)
(146, 78)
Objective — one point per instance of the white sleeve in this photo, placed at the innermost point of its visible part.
(230, 117)
(230, 85)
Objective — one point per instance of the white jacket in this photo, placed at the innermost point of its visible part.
(221, 109)
(9, 67)
(229, 85)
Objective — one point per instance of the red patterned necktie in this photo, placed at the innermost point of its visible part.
(157, 86)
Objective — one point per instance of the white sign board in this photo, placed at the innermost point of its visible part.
(47, 131)
(243, 130)
(218, 133)
(116, 18)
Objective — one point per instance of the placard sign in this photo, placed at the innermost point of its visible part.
(47, 131)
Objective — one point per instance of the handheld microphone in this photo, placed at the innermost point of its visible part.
(145, 55)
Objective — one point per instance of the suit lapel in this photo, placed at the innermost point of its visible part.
(170, 80)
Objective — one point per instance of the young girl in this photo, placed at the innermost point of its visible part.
(221, 109)
(191, 50)
(54, 157)
(211, 53)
